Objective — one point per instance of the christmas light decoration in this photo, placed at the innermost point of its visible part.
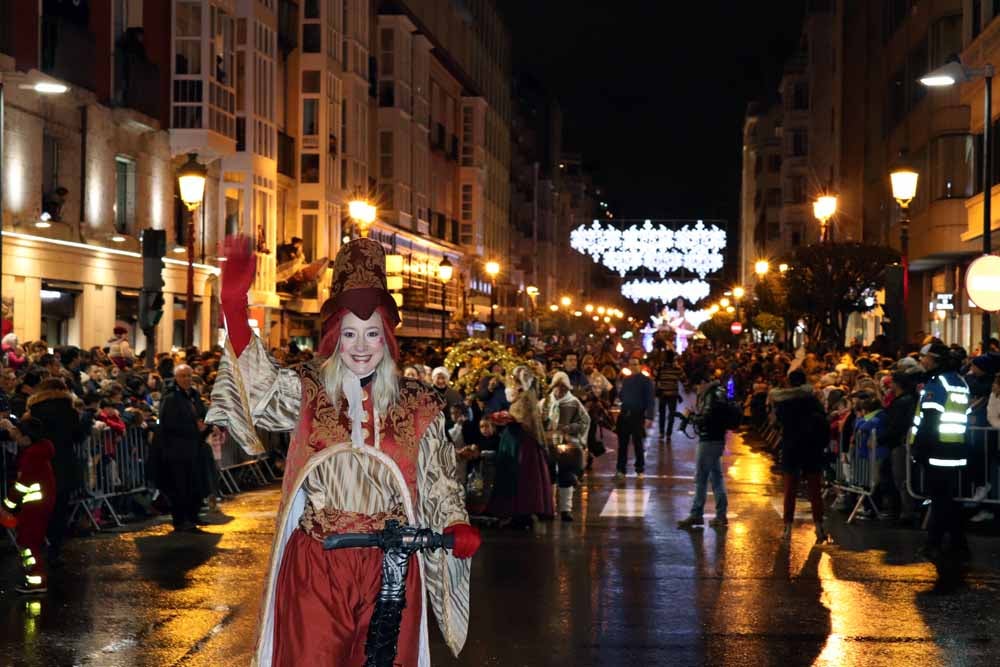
(698, 248)
(665, 290)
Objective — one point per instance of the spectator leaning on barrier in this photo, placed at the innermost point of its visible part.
(899, 420)
(52, 405)
(938, 442)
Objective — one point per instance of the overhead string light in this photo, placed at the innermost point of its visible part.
(665, 290)
(698, 248)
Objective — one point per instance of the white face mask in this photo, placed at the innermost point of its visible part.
(510, 393)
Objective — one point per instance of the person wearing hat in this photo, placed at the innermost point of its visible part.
(937, 441)
(567, 425)
(119, 351)
(368, 447)
(899, 420)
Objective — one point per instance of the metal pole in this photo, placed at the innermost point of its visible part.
(189, 312)
(493, 309)
(444, 314)
(987, 186)
(904, 245)
(2, 186)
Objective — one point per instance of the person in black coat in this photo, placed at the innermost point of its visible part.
(181, 436)
(805, 434)
(52, 404)
(900, 420)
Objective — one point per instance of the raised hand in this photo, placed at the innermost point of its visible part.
(240, 267)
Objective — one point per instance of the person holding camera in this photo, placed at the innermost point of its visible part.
(710, 420)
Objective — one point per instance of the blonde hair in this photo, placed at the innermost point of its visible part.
(384, 388)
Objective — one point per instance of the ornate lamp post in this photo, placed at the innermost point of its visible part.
(904, 188)
(445, 272)
(824, 208)
(191, 182)
(493, 270)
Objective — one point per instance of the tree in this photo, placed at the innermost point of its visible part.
(716, 329)
(829, 281)
(770, 325)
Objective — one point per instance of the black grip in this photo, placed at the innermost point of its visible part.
(351, 540)
(448, 540)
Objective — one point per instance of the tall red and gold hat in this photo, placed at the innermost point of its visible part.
(359, 283)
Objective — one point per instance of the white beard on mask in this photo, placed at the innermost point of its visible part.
(510, 393)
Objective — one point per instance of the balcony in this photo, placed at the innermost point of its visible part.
(68, 50)
(288, 26)
(386, 94)
(286, 155)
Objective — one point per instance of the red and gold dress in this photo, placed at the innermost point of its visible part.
(338, 479)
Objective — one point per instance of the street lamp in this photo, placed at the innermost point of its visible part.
(949, 74)
(566, 301)
(824, 208)
(191, 183)
(904, 188)
(445, 272)
(40, 87)
(493, 270)
(363, 213)
(738, 292)
(761, 267)
(782, 268)
(724, 302)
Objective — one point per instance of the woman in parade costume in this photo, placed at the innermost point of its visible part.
(523, 487)
(368, 447)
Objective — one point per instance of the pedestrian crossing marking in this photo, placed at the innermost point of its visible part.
(626, 503)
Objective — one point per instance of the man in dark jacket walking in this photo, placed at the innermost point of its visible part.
(669, 378)
(52, 404)
(182, 431)
(635, 418)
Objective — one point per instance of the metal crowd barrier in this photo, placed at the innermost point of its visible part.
(236, 466)
(110, 465)
(983, 466)
(858, 473)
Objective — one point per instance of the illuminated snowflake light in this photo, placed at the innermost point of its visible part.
(698, 248)
(665, 290)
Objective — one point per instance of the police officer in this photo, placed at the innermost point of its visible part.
(938, 443)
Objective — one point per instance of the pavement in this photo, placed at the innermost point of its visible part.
(621, 586)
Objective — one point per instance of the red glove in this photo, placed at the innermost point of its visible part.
(237, 277)
(467, 540)
(7, 520)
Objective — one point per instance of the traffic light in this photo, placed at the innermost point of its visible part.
(154, 247)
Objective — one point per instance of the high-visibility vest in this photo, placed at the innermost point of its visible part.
(949, 395)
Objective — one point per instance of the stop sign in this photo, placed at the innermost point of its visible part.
(736, 328)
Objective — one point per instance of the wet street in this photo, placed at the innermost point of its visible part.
(622, 587)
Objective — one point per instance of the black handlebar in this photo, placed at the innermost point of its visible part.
(394, 536)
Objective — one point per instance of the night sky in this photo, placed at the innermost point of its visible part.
(653, 92)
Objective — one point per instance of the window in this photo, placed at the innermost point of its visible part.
(386, 64)
(466, 202)
(124, 195)
(310, 81)
(312, 38)
(797, 195)
(917, 64)
(309, 235)
(800, 96)
(774, 164)
(977, 17)
(773, 231)
(310, 117)
(800, 143)
(187, 45)
(774, 197)
(311, 9)
(310, 168)
(953, 166)
(385, 155)
(946, 39)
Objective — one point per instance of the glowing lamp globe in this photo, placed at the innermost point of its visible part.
(982, 282)
(191, 182)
